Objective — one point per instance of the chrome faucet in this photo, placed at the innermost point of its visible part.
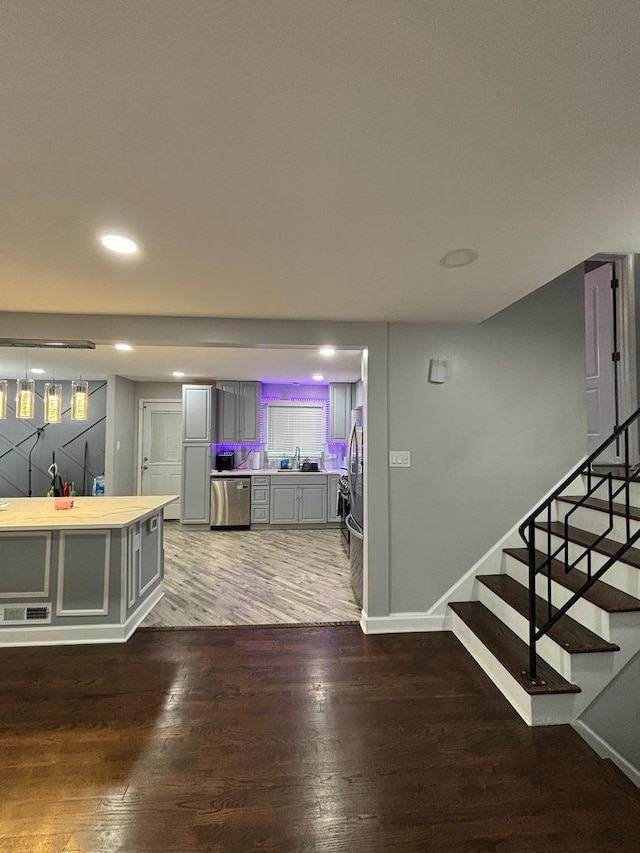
(296, 458)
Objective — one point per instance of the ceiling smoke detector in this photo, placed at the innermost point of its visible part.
(458, 258)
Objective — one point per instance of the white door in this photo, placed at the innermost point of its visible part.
(161, 452)
(598, 304)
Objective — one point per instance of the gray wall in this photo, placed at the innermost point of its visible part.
(615, 714)
(121, 437)
(490, 442)
(123, 409)
(485, 446)
(66, 439)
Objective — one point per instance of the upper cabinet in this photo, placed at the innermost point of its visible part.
(340, 411)
(238, 412)
(196, 413)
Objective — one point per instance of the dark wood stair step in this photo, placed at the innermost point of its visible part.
(567, 633)
(601, 594)
(586, 538)
(509, 649)
(603, 506)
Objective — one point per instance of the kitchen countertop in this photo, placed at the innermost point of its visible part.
(87, 512)
(249, 472)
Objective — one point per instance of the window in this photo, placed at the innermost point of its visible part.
(290, 425)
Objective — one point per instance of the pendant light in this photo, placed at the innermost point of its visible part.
(25, 394)
(79, 400)
(3, 398)
(52, 403)
(26, 399)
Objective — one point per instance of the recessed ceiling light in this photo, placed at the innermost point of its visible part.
(119, 244)
(458, 258)
(178, 373)
(124, 347)
(54, 344)
(37, 370)
(327, 352)
(317, 377)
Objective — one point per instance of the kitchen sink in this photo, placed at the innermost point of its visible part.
(298, 471)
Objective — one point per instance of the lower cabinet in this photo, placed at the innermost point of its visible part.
(300, 502)
(260, 499)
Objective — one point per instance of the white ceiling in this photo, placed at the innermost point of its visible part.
(150, 363)
(313, 159)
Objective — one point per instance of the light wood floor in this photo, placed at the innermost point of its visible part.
(253, 577)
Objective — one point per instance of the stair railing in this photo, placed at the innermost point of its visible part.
(537, 532)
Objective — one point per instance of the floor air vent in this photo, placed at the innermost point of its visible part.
(22, 614)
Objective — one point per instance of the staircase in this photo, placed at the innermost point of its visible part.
(561, 616)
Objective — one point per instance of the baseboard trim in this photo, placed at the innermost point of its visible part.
(402, 623)
(71, 635)
(604, 749)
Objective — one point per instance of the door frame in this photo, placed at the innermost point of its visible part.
(141, 403)
(624, 271)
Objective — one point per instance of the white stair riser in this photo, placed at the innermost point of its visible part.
(621, 575)
(597, 522)
(592, 617)
(549, 651)
(602, 492)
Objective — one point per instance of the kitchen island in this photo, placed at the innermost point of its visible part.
(89, 574)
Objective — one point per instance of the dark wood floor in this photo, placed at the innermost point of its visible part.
(289, 739)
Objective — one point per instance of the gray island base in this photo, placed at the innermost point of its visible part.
(89, 574)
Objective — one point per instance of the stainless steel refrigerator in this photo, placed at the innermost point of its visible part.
(355, 520)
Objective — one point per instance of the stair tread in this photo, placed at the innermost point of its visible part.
(571, 635)
(509, 649)
(586, 538)
(601, 594)
(603, 506)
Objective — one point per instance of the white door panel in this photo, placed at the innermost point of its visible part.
(599, 365)
(161, 463)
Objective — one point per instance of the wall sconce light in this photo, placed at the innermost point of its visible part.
(26, 399)
(438, 370)
(79, 400)
(3, 398)
(52, 403)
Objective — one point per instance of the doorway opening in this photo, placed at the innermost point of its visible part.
(283, 571)
(610, 349)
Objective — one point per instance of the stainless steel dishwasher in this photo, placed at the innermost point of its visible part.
(230, 501)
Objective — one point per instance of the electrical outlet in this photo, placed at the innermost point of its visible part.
(399, 459)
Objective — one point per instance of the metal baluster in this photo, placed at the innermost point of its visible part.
(533, 664)
(626, 484)
(549, 549)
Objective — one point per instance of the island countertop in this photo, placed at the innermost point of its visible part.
(87, 512)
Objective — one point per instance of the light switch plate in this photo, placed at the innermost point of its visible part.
(399, 459)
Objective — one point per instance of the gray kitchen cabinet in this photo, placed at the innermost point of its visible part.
(227, 412)
(238, 411)
(197, 408)
(312, 504)
(196, 483)
(332, 498)
(284, 504)
(358, 394)
(340, 406)
(196, 413)
(298, 500)
(260, 499)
